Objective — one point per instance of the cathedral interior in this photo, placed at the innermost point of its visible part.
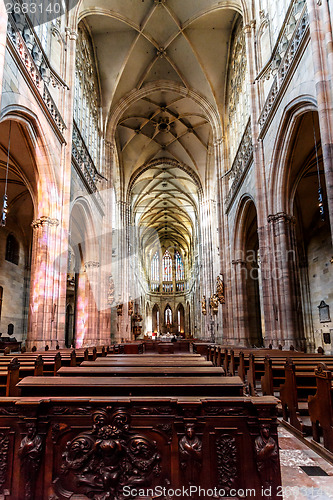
(166, 172)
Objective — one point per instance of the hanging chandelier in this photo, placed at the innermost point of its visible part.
(320, 189)
(5, 197)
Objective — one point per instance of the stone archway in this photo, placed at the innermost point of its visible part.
(156, 319)
(301, 240)
(249, 313)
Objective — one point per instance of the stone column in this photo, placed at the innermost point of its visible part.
(43, 305)
(107, 271)
(65, 185)
(124, 320)
(207, 265)
(3, 41)
(92, 290)
(261, 183)
(224, 245)
(81, 316)
(287, 306)
(322, 57)
(240, 307)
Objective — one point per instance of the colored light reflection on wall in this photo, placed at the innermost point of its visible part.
(82, 319)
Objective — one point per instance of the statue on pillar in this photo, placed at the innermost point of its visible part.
(214, 303)
(203, 305)
(130, 306)
(220, 289)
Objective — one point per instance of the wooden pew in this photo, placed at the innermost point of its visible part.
(232, 367)
(241, 366)
(267, 384)
(251, 376)
(132, 386)
(129, 348)
(68, 357)
(201, 348)
(274, 374)
(51, 363)
(9, 377)
(145, 362)
(289, 399)
(321, 407)
(135, 371)
(14, 371)
(165, 348)
(176, 355)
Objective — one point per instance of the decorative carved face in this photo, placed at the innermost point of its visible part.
(265, 431)
(31, 431)
(190, 432)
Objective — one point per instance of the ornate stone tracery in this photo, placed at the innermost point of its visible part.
(86, 94)
(237, 100)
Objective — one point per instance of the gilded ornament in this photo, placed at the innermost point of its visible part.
(214, 303)
(220, 289)
(203, 305)
(130, 307)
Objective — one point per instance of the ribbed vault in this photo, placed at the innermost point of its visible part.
(164, 201)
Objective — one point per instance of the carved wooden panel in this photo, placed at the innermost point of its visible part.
(93, 448)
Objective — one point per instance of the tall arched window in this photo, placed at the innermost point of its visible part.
(12, 249)
(86, 94)
(155, 268)
(179, 267)
(167, 267)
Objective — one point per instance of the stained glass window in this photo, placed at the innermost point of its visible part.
(167, 267)
(179, 267)
(155, 271)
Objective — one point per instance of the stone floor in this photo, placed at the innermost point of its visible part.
(296, 483)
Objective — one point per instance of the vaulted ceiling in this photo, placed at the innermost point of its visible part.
(138, 42)
(165, 202)
(141, 44)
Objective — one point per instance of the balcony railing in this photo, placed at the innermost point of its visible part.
(241, 162)
(291, 38)
(26, 47)
(84, 163)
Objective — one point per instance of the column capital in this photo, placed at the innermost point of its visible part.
(44, 221)
(111, 145)
(281, 217)
(247, 29)
(218, 141)
(238, 261)
(72, 34)
(91, 264)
